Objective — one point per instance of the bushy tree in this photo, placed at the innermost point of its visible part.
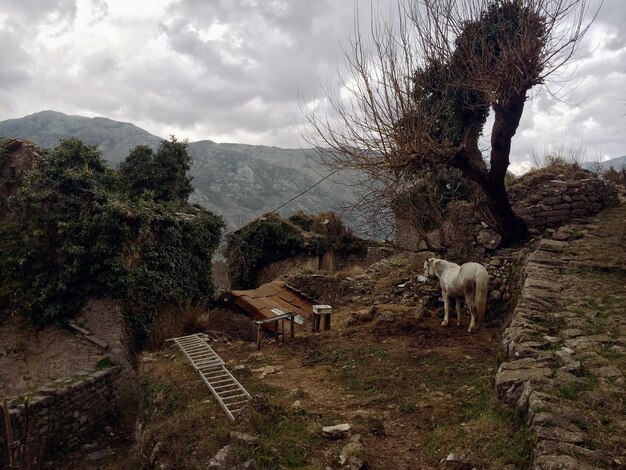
(138, 172)
(56, 238)
(72, 232)
(420, 96)
(161, 175)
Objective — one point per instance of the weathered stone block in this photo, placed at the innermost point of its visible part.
(551, 200)
(553, 433)
(552, 245)
(579, 204)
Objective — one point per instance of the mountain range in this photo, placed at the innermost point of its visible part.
(618, 163)
(240, 182)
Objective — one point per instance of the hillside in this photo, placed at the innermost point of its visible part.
(238, 181)
(47, 128)
(245, 181)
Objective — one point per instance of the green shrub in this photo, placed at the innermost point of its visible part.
(258, 244)
(73, 231)
(272, 238)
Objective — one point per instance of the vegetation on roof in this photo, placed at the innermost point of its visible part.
(76, 229)
(272, 238)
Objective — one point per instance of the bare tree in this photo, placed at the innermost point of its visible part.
(418, 94)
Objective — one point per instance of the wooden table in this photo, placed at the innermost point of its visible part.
(278, 318)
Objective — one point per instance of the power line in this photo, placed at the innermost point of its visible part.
(303, 192)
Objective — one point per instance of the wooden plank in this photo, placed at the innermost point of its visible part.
(275, 319)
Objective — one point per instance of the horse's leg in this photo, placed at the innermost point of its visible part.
(458, 311)
(472, 309)
(446, 309)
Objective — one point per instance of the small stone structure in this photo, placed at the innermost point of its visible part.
(65, 414)
(16, 159)
(555, 202)
(238, 307)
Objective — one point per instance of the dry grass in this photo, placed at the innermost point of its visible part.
(182, 426)
(175, 322)
(349, 272)
(550, 171)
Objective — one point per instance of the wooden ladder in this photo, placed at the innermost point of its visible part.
(228, 392)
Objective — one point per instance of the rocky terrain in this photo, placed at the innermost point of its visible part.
(407, 392)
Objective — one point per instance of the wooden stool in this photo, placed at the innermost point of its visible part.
(319, 311)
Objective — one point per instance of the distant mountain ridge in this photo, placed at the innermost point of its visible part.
(618, 163)
(238, 181)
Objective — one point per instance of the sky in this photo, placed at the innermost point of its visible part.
(239, 70)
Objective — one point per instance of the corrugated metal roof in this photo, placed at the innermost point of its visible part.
(260, 301)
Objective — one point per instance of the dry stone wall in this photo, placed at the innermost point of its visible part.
(544, 201)
(330, 261)
(559, 371)
(556, 202)
(63, 415)
(505, 281)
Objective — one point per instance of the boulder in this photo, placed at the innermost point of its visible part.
(339, 431)
(489, 239)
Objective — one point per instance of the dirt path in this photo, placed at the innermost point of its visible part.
(414, 390)
(415, 397)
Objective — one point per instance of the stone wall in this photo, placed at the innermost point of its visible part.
(555, 202)
(562, 370)
(276, 269)
(229, 319)
(16, 160)
(324, 288)
(330, 261)
(505, 282)
(64, 415)
(546, 200)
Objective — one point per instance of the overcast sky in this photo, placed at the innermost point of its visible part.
(236, 70)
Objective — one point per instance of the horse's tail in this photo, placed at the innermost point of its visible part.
(480, 295)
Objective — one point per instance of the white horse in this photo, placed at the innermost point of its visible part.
(468, 282)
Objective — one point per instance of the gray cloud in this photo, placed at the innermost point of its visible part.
(28, 13)
(235, 70)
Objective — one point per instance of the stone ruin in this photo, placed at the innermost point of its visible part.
(16, 159)
(555, 202)
(545, 199)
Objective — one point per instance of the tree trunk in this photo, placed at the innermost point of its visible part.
(511, 226)
(507, 116)
(468, 159)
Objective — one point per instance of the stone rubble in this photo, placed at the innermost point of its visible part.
(352, 454)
